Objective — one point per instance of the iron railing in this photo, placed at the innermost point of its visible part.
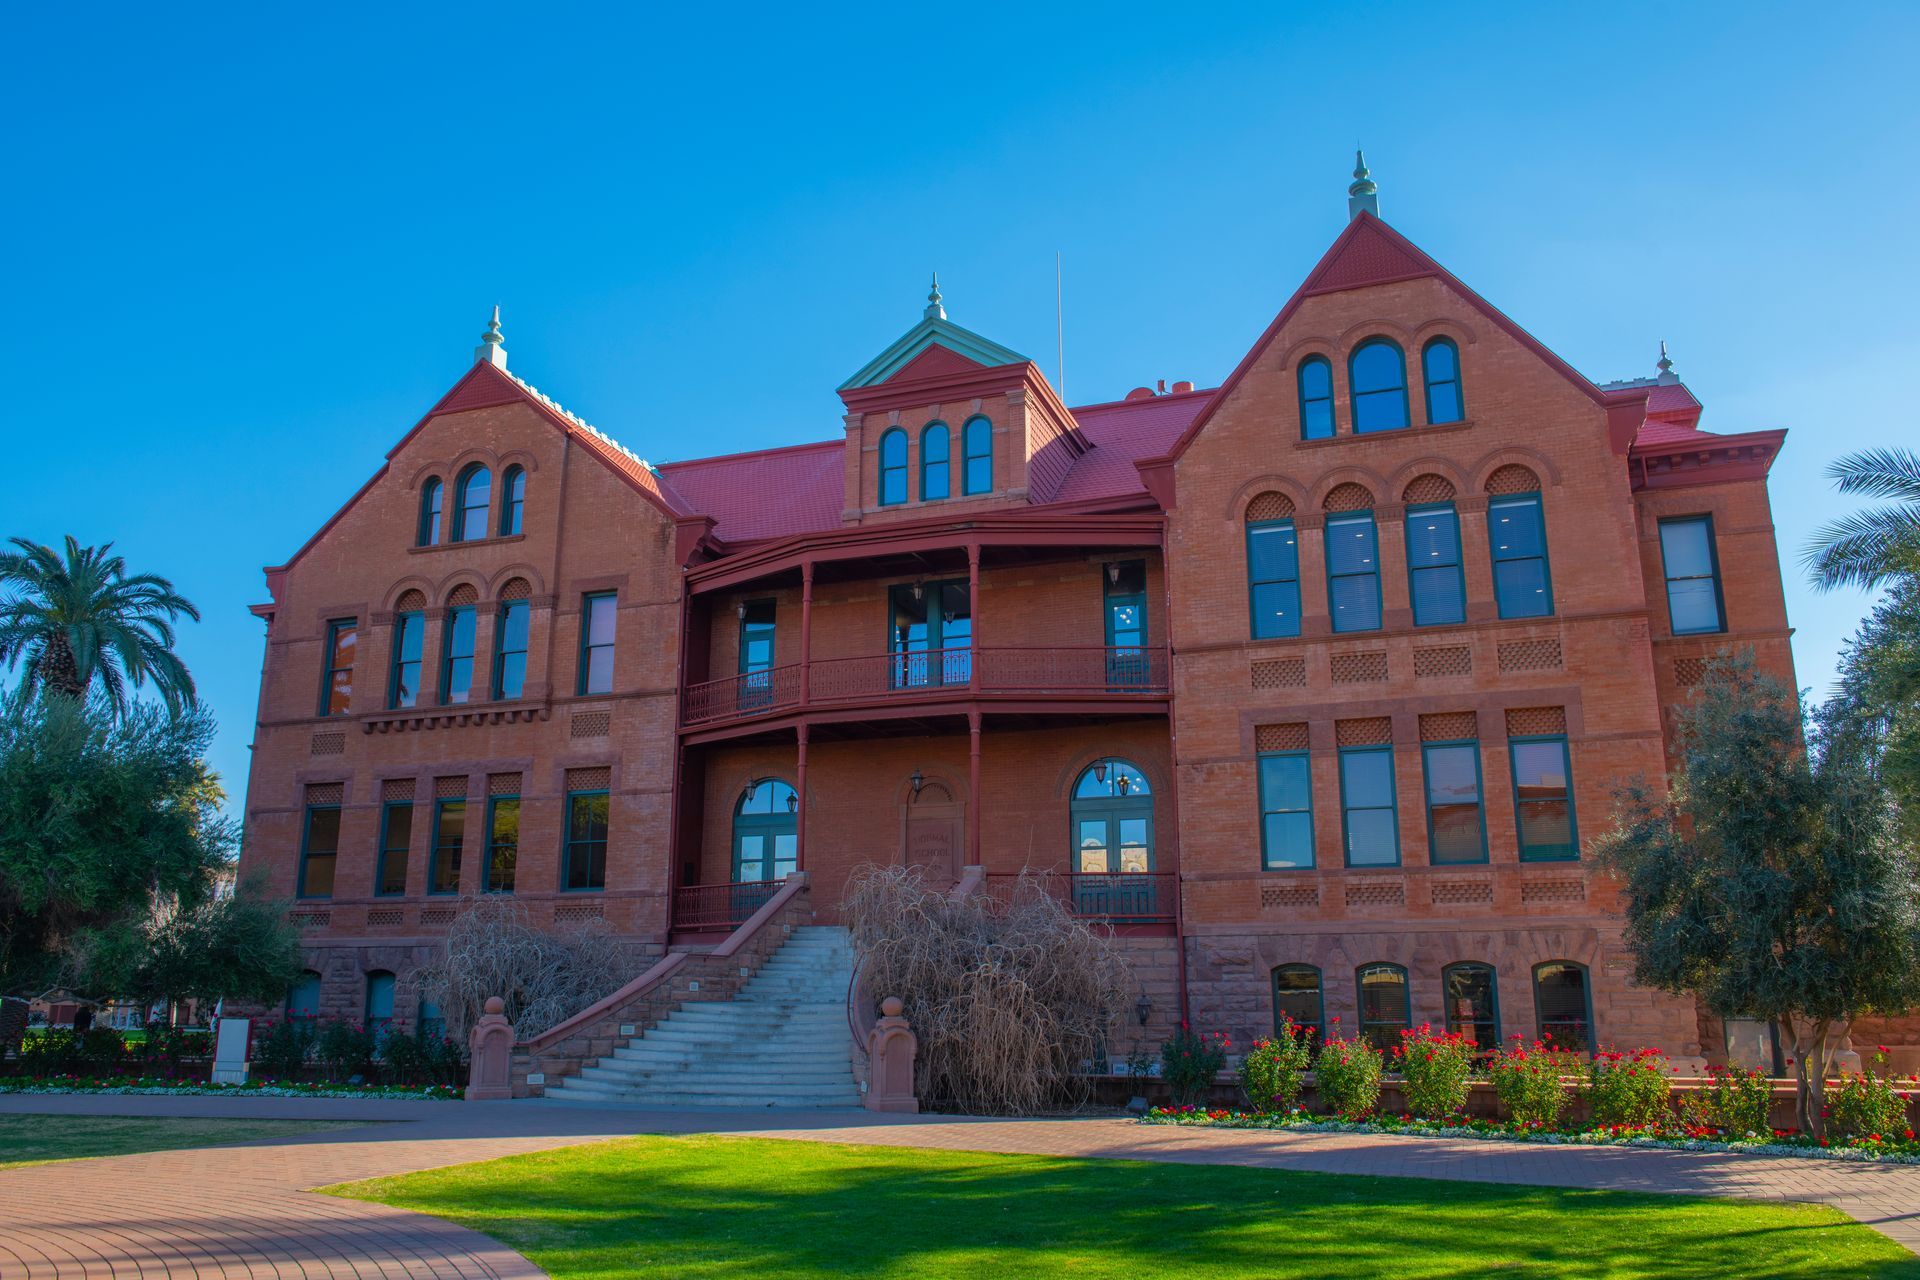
(1119, 897)
(715, 908)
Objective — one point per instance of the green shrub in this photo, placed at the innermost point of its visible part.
(1435, 1069)
(1271, 1073)
(344, 1050)
(280, 1051)
(419, 1058)
(1348, 1075)
(1628, 1090)
(1735, 1101)
(1867, 1105)
(54, 1051)
(1530, 1081)
(1189, 1063)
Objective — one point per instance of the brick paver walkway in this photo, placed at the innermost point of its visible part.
(245, 1211)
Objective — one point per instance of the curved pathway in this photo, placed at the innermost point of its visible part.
(246, 1211)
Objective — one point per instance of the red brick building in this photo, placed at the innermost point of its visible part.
(1312, 684)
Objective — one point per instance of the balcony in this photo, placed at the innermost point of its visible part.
(1135, 898)
(1104, 673)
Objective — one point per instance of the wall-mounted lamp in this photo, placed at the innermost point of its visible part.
(1113, 572)
(753, 785)
(793, 802)
(919, 590)
(918, 780)
(1143, 1007)
(740, 611)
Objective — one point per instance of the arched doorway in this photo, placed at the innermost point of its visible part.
(933, 832)
(766, 838)
(1112, 818)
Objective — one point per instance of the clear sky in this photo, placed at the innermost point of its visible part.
(245, 248)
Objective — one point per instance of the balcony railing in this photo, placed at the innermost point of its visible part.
(1082, 671)
(720, 908)
(1128, 897)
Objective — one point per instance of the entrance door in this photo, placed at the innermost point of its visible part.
(1112, 812)
(1126, 604)
(931, 635)
(766, 833)
(756, 654)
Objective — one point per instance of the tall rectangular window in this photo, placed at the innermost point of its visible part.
(1353, 571)
(1286, 811)
(596, 642)
(456, 664)
(1434, 580)
(449, 837)
(510, 651)
(1456, 826)
(409, 638)
(977, 444)
(336, 687)
(1543, 799)
(396, 844)
(586, 840)
(1692, 565)
(319, 850)
(503, 842)
(1273, 578)
(1367, 805)
(1522, 584)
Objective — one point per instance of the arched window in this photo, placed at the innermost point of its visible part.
(766, 843)
(1112, 819)
(303, 998)
(1297, 994)
(1473, 1003)
(471, 498)
(936, 444)
(977, 443)
(431, 495)
(1316, 399)
(379, 1002)
(1440, 370)
(893, 467)
(513, 500)
(1377, 383)
(1385, 1010)
(1563, 1004)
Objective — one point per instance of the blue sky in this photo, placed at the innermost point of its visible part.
(247, 247)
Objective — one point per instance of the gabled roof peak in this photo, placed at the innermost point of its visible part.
(933, 330)
(1364, 195)
(492, 349)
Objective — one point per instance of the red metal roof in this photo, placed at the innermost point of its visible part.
(770, 493)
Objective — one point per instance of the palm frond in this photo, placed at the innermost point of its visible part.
(1879, 473)
(1864, 548)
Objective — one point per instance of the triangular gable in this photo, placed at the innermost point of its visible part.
(932, 333)
(1369, 252)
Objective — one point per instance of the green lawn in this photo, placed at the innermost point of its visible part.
(44, 1139)
(737, 1207)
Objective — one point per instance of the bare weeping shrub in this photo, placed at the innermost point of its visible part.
(546, 975)
(1009, 996)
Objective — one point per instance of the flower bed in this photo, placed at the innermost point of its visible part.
(159, 1085)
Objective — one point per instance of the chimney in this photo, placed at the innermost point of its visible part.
(493, 348)
(1182, 387)
(1363, 196)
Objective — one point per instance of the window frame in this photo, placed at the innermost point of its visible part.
(513, 501)
(1493, 997)
(1493, 551)
(501, 630)
(306, 851)
(387, 849)
(944, 462)
(1254, 527)
(436, 847)
(1480, 798)
(412, 618)
(1305, 758)
(1319, 994)
(1392, 806)
(449, 628)
(969, 455)
(1713, 560)
(1334, 518)
(1354, 394)
(380, 1025)
(885, 468)
(308, 978)
(490, 878)
(461, 506)
(1459, 565)
(588, 644)
(1586, 992)
(335, 626)
(570, 843)
(1300, 390)
(1554, 853)
(1457, 381)
(433, 501)
(1360, 1002)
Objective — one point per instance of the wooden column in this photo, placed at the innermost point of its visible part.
(973, 599)
(973, 787)
(800, 790)
(806, 643)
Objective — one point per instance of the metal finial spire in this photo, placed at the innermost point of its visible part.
(934, 310)
(1363, 195)
(1665, 365)
(493, 347)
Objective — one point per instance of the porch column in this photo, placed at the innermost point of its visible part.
(973, 599)
(973, 787)
(800, 789)
(806, 646)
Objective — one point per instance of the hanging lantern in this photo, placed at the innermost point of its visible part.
(1100, 771)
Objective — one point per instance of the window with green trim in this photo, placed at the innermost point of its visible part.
(1273, 578)
(1353, 571)
(1522, 583)
(1286, 810)
(456, 661)
(977, 443)
(409, 644)
(319, 850)
(396, 846)
(1434, 580)
(1386, 1009)
(1369, 818)
(586, 859)
(432, 496)
(336, 683)
(379, 1006)
(1692, 565)
(1377, 382)
(1316, 398)
(1473, 1003)
(503, 842)
(936, 446)
(893, 467)
(510, 650)
(1543, 799)
(1297, 995)
(303, 998)
(1563, 1004)
(1440, 370)
(1456, 823)
(597, 614)
(472, 496)
(513, 500)
(449, 839)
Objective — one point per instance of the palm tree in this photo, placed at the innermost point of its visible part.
(1867, 547)
(83, 616)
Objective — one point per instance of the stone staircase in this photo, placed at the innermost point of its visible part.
(782, 1041)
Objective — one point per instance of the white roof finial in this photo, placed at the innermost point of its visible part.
(1667, 376)
(934, 310)
(1363, 196)
(493, 348)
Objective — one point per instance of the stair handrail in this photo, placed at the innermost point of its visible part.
(861, 1007)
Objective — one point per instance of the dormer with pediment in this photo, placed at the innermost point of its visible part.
(945, 420)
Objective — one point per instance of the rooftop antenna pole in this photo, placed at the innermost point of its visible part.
(1059, 325)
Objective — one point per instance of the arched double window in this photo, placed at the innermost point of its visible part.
(1440, 371)
(1473, 1003)
(766, 841)
(432, 495)
(1377, 383)
(1297, 996)
(1112, 819)
(936, 446)
(1316, 398)
(472, 496)
(1385, 1010)
(976, 442)
(1563, 1004)
(893, 467)
(513, 500)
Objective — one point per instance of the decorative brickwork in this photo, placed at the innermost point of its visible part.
(1428, 488)
(1512, 479)
(576, 912)
(329, 744)
(410, 602)
(503, 784)
(1359, 668)
(450, 788)
(385, 917)
(1553, 891)
(589, 779)
(1377, 893)
(1449, 726)
(464, 594)
(437, 915)
(1376, 731)
(1530, 655)
(1270, 506)
(1348, 497)
(515, 589)
(1283, 897)
(397, 789)
(1688, 672)
(1280, 673)
(1443, 662)
(310, 918)
(1280, 737)
(590, 724)
(1528, 721)
(327, 793)
(1461, 893)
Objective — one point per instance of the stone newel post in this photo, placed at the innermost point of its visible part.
(891, 1046)
(490, 1048)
